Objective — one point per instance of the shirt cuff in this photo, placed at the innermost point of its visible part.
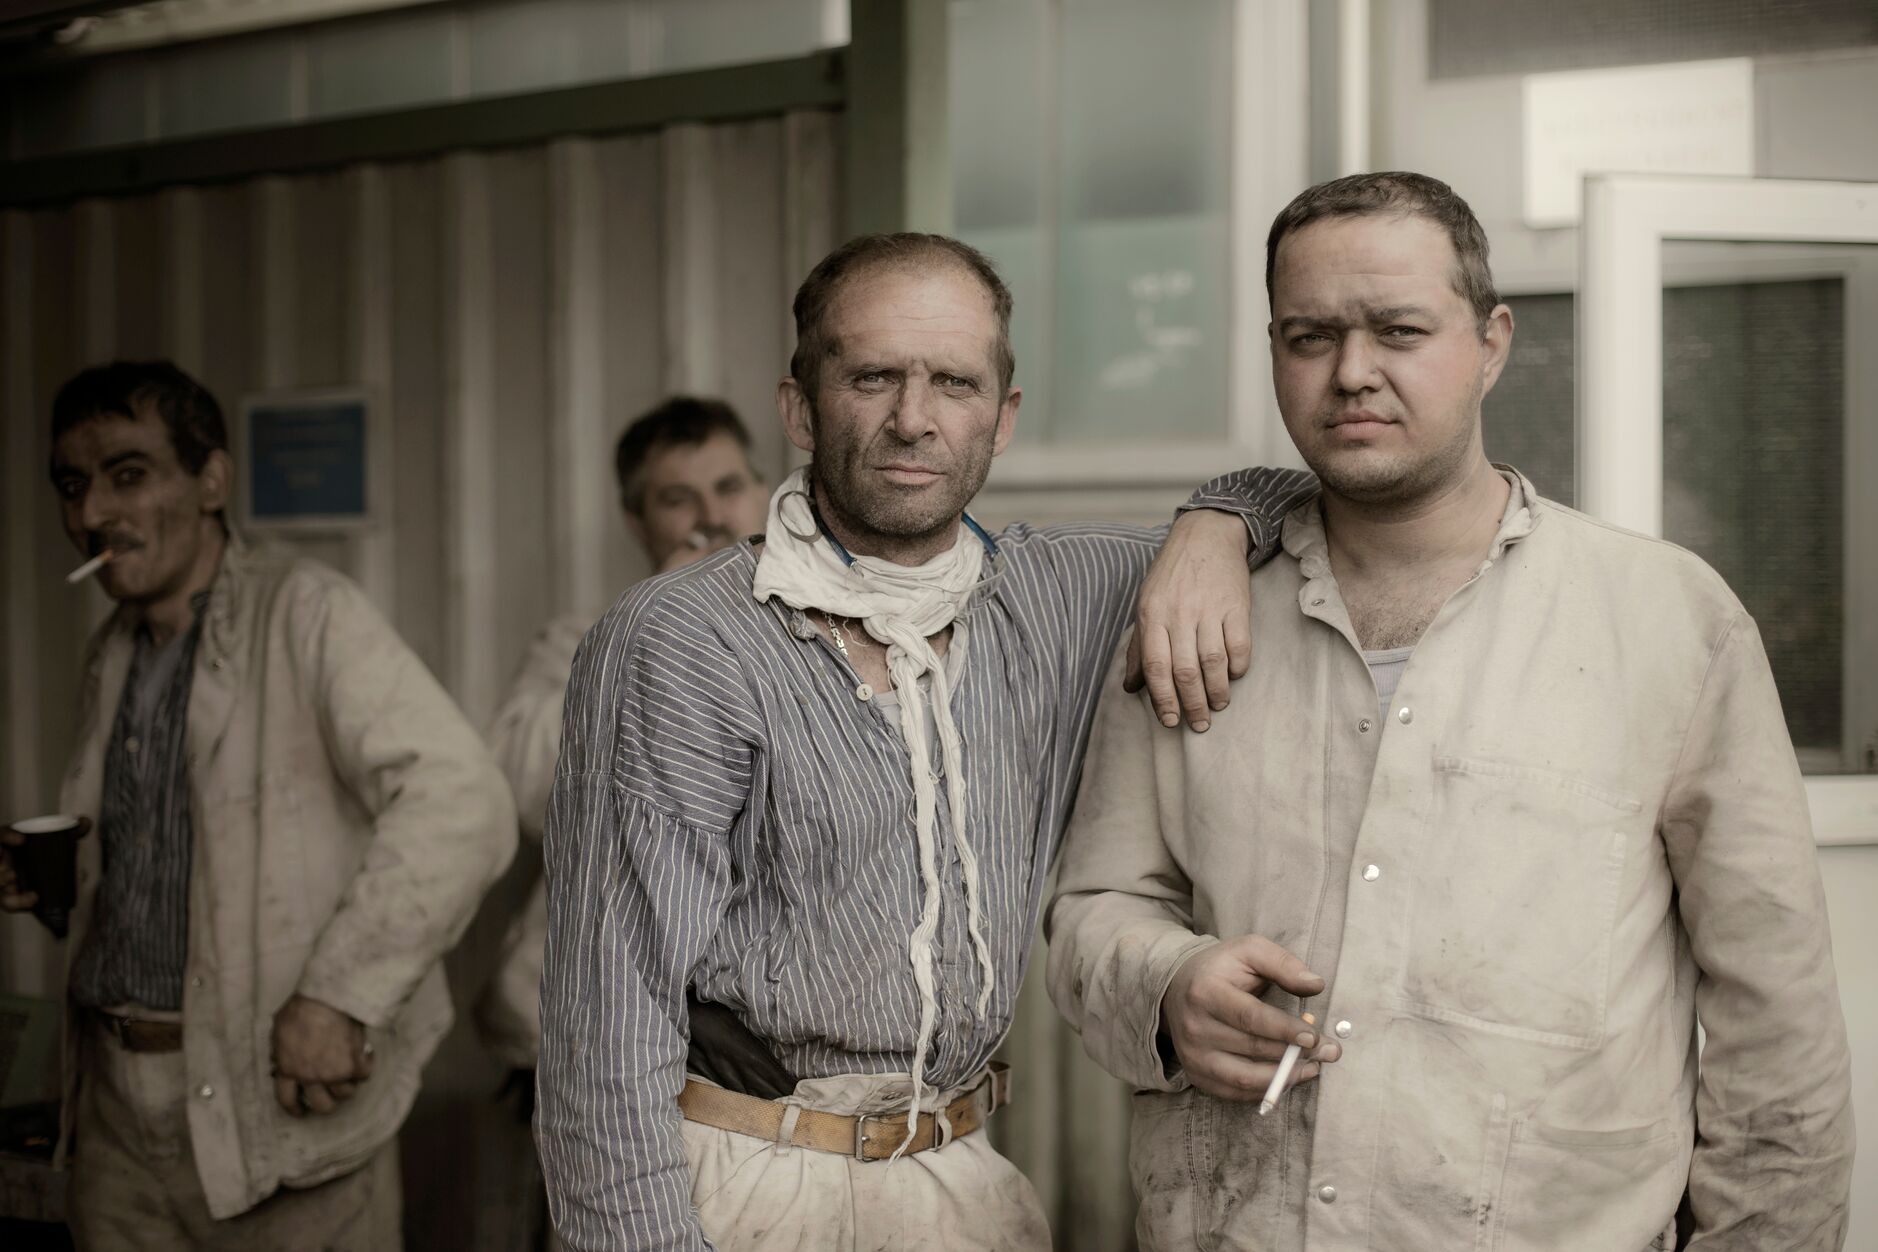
(1139, 1060)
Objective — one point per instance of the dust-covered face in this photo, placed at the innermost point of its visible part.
(122, 487)
(910, 409)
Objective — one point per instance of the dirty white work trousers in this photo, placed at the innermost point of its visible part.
(752, 1194)
(134, 1186)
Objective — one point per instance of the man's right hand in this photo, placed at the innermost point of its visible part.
(1228, 1041)
(12, 899)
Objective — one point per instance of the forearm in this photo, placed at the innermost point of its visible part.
(434, 853)
(1261, 496)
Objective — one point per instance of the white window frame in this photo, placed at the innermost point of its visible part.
(1627, 218)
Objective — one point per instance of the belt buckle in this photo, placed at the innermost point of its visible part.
(860, 1134)
(117, 1027)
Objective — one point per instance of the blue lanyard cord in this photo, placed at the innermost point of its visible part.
(991, 546)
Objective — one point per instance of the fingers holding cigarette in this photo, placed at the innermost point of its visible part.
(1230, 1043)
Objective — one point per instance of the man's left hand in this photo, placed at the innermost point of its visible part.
(320, 1057)
(1193, 619)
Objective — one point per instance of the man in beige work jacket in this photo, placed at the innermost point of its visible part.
(294, 824)
(1516, 783)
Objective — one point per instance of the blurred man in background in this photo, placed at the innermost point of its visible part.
(294, 824)
(687, 489)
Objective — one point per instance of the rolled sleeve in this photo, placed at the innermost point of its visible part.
(1261, 496)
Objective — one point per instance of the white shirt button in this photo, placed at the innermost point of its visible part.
(205, 1091)
(863, 692)
(1343, 1030)
(1371, 873)
(131, 744)
(196, 981)
(1327, 1194)
(1405, 717)
(1363, 727)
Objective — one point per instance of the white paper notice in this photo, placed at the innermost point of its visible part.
(1692, 118)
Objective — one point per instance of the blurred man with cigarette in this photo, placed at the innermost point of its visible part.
(1516, 782)
(294, 823)
(819, 780)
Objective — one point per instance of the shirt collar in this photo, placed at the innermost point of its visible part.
(1304, 536)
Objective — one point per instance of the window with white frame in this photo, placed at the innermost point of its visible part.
(1121, 162)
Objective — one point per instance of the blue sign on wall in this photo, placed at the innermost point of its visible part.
(306, 460)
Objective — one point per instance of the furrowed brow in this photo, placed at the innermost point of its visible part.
(1297, 322)
(1401, 313)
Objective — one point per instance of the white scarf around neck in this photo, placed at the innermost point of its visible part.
(899, 605)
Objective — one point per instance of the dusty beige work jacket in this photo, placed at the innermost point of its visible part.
(1579, 825)
(347, 820)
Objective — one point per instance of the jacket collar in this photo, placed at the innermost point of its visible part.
(1305, 538)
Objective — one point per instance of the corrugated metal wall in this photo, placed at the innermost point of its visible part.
(508, 311)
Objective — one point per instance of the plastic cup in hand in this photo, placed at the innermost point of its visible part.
(46, 863)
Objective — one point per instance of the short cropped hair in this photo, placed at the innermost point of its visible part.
(678, 422)
(127, 388)
(1405, 194)
(905, 249)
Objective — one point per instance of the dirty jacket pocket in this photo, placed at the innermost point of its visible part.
(1515, 901)
(1592, 1188)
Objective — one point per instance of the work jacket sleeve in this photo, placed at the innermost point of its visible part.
(1773, 1153)
(1122, 919)
(656, 765)
(525, 735)
(443, 823)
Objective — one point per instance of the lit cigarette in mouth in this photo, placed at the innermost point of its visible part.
(697, 539)
(91, 567)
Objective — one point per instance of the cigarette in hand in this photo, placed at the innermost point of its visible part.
(1286, 1064)
(91, 567)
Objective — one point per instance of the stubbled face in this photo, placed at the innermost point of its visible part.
(909, 414)
(121, 487)
(1379, 363)
(706, 489)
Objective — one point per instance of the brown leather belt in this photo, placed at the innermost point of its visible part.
(134, 1034)
(868, 1137)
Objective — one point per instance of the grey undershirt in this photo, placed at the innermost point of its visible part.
(1385, 667)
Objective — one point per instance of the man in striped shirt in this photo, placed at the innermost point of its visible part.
(819, 780)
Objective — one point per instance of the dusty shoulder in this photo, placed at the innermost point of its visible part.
(682, 618)
(1650, 569)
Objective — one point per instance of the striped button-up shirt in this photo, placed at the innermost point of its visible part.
(733, 814)
(135, 949)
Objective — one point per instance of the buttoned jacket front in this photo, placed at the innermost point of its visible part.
(1579, 822)
(347, 821)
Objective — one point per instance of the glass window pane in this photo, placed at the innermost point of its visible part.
(1526, 420)
(1097, 176)
(1753, 474)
